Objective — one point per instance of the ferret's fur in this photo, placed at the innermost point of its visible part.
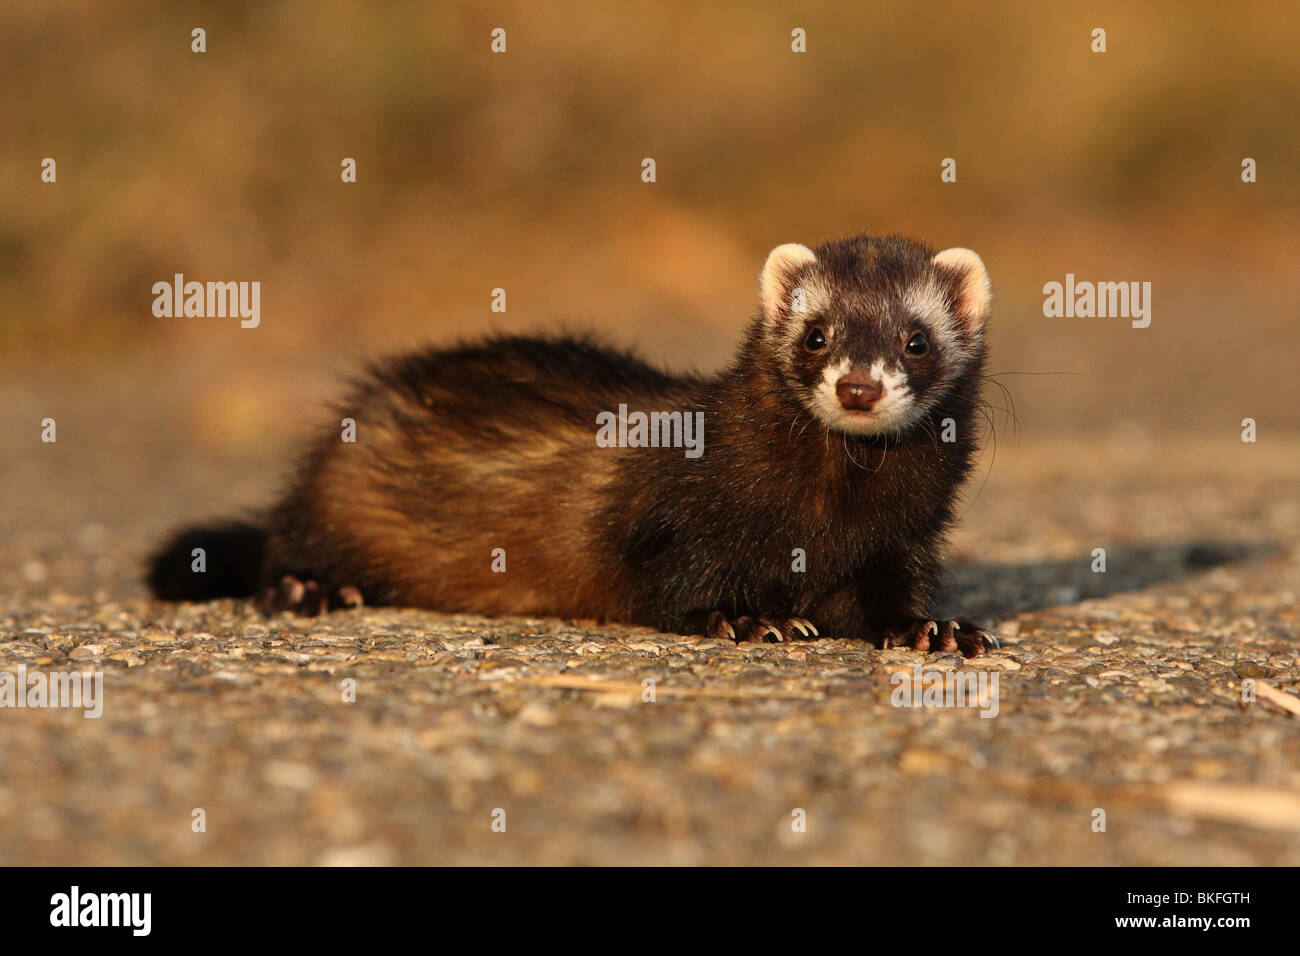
(463, 451)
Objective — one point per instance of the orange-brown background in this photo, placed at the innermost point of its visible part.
(523, 171)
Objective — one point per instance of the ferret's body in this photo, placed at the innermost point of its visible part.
(476, 482)
(461, 453)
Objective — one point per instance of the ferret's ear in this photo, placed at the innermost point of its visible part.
(777, 281)
(974, 290)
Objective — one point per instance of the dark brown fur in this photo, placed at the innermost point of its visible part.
(463, 451)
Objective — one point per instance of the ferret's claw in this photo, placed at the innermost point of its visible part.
(306, 598)
(973, 640)
(955, 635)
(915, 636)
(759, 630)
(719, 628)
(806, 628)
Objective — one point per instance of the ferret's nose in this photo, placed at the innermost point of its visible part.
(858, 391)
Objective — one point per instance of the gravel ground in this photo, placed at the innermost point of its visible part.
(1118, 691)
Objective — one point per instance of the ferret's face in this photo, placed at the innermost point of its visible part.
(869, 334)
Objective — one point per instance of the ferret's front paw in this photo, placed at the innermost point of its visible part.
(759, 630)
(959, 635)
(306, 598)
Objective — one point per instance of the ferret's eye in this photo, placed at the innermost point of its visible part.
(917, 344)
(816, 340)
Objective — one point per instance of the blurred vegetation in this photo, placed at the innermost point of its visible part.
(522, 171)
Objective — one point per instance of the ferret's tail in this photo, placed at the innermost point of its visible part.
(229, 565)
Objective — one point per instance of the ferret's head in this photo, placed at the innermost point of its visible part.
(870, 334)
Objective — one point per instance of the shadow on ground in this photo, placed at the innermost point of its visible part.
(995, 591)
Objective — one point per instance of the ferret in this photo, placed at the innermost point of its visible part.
(833, 449)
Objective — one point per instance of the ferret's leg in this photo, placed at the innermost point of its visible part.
(906, 621)
(888, 606)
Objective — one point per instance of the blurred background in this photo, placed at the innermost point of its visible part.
(522, 171)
